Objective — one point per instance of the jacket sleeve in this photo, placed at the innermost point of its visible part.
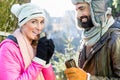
(115, 56)
(48, 72)
(12, 66)
(115, 59)
(103, 78)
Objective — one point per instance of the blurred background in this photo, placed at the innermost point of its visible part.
(61, 27)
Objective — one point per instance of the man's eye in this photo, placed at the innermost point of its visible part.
(81, 8)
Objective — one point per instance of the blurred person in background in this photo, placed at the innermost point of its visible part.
(99, 57)
(23, 54)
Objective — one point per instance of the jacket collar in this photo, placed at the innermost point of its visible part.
(96, 47)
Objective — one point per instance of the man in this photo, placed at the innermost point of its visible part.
(99, 57)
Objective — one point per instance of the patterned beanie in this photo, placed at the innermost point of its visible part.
(27, 11)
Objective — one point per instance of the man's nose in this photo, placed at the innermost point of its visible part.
(79, 14)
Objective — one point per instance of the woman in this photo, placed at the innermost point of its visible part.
(24, 55)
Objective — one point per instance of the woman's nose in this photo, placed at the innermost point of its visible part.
(39, 26)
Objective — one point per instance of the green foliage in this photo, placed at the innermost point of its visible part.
(116, 4)
(7, 20)
(59, 59)
(116, 7)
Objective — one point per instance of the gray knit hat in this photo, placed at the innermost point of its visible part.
(26, 11)
(99, 10)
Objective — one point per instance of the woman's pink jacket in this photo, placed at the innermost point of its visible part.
(12, 66)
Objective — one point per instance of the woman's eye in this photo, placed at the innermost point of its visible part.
(33, 21)
(42, 22)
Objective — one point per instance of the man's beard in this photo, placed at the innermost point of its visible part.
(86, 25)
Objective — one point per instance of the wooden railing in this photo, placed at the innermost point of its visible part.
(4, 33)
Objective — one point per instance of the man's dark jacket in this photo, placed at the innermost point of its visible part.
(104, 58)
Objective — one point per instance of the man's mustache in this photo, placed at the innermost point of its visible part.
(83, 17)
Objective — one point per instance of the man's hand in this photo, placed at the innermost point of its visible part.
(75, 74)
